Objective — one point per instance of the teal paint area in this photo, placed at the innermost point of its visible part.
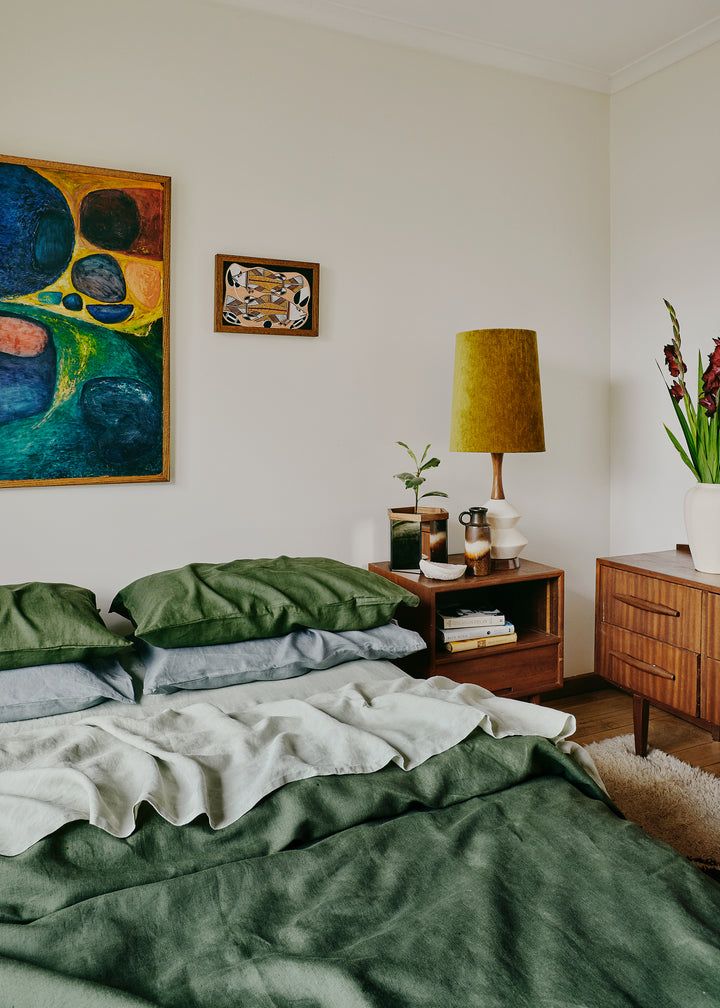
(88, 405)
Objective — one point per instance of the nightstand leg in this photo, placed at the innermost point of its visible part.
(641, 716)
(535, 698)
(715, 732)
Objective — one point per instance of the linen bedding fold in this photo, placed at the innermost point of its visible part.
(200, 760)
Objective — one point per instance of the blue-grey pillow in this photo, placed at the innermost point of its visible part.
(170, 669)
(42, 690)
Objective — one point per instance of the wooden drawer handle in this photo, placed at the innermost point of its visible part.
(654, 607)
(642, 666)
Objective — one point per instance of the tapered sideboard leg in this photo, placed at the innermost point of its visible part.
(641, 716)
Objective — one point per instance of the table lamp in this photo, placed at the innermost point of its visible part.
(497, 408)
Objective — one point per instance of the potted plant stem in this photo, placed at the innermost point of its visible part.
(417, 532)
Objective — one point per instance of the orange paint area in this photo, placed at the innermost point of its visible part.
(144, 282)
(21, 338)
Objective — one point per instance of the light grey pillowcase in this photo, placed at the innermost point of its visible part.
(193, 668)
(42, 690)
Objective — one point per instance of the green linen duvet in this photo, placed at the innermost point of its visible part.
(494, 874)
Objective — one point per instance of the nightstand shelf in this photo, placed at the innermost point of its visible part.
(527, 639)
(531, 597)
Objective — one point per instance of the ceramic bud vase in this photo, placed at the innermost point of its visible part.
(508, 542)
(702, 521)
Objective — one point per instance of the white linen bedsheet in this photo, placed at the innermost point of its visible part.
(227, 698)
(199, 759)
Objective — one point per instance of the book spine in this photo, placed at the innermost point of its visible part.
(470, 633)
(467, 622)
(470, 645)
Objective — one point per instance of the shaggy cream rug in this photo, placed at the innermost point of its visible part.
(671, 800)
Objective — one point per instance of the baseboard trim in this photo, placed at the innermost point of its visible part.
(576, 685)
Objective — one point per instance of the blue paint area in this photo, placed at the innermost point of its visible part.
(125, 416)
(110, 314)
(73, 302)
(49, 297)
(27, 384)
(99, 276)
(54, 235)
(37, 234)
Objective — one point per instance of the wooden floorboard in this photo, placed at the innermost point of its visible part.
(608, 712)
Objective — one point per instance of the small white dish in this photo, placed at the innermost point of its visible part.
(442, 571)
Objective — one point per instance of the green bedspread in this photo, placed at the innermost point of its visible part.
(493, 875)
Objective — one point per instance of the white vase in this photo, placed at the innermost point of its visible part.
(702, 521)
(508, 542)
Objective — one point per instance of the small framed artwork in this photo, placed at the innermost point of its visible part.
(273, 296)
(84, 312)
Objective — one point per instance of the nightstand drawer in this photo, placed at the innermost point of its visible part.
(514, 673)
(658, 609)
(650, 668)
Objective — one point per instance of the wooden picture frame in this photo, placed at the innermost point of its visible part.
(84, 267)
(301, 300)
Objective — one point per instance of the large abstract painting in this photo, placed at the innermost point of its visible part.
(266, 296)
(84, 311)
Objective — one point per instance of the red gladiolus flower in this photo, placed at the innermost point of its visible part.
(711, 376)
(709, 404)
(676, 391)
(673, 360)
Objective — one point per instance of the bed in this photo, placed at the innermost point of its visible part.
(494, 872)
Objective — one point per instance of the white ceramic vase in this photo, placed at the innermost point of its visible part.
(702, 521)
(508, 542)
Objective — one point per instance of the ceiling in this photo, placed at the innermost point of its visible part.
(604, 45)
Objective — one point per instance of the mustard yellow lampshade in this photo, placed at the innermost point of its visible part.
(497, 405)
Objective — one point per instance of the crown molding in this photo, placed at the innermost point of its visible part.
(347, 19)
(679, 49)
(344, 17)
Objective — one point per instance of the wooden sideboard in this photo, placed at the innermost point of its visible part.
(657, 635)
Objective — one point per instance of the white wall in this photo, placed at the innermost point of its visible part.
(437, 196)
(665, 146)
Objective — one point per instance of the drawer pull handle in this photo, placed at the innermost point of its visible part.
(653, 607)
(642, 666)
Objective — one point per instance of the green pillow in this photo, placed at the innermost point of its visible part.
(45, 624)
(247, 599)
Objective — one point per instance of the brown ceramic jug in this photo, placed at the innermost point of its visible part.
(477, 540)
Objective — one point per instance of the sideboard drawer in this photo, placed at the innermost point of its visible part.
(658, 609)
(650, 668)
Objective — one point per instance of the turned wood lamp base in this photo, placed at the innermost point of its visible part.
(508, 542)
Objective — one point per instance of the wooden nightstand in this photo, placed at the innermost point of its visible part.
(531, 597)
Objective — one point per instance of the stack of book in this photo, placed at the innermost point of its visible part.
(463, 629)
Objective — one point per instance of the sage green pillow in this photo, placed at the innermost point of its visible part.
(45, 624)
(247, 599)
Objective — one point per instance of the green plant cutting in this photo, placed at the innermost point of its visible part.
(698, 415)
(413, 481)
